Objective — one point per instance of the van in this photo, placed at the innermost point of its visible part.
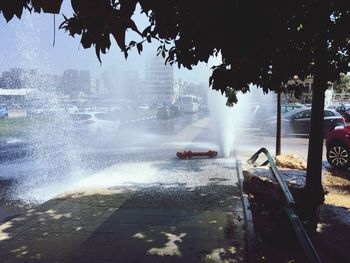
(189, 104)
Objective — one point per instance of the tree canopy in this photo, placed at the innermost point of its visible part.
(342, 84)
(261, 42)
(265, 43)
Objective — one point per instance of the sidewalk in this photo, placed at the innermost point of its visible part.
(198, 218)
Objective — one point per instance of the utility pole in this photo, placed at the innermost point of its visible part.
(278, 126)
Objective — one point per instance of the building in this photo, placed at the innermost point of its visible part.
(159, 82)
(19, 78)
(85, 81)
(75, 82)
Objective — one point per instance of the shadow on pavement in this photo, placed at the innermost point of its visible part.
(157, 224)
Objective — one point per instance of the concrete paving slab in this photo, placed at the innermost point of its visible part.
(198, 221)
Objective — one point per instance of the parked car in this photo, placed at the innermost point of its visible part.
(174, 110)
(338, 147)
(3, 112)
(52, 111)
(298, 121)
(189, 103)
(332, 106)
(344, 110)
(163, 113)
(290, 106)
(168, 111)
(94, 123)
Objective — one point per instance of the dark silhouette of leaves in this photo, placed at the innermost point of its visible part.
(50, 6)
(36, 5)
(139, 47)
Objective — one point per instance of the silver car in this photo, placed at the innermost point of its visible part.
(3, 112)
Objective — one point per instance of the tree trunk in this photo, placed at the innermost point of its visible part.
(279, 126)
(313, 189)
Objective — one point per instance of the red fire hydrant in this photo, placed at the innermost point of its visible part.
(190, 154)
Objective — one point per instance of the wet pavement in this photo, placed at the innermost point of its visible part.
(185, 211)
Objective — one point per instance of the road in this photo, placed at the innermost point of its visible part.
(49, 162)
(251, 141)
(40, 167)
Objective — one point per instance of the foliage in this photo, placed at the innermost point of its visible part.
(261, 42)
(342, 84)
(11, 8)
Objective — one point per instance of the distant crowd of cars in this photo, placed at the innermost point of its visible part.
(52, 110)
(296, 120)
(342, 109)
(185, 104)
(3, 112)
(88, 119)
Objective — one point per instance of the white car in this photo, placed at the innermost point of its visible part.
(95, 124)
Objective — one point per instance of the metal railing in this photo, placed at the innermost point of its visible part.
(298, 227)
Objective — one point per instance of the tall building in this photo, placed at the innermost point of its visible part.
(132, 84)
(13, 79)
(20, 78)
(122, 84)
(70, 82)
(75, 82)
(159, 82)
(85, 81)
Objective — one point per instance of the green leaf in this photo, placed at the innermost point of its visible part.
(97, 50)
(86, 40)
(139, 47)
(36, 5)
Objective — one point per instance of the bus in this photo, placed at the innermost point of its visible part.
(189, 104)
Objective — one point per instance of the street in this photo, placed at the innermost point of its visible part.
(37, 168)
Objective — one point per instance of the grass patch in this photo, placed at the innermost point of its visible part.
(17, 127)
(14, 127)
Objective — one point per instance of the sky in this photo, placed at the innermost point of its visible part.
(28, 43)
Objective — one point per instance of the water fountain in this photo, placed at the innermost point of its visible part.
(231, 122)
(53, 153)
(328, 97)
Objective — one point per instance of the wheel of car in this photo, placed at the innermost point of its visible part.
(338, 155)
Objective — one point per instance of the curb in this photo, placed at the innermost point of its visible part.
(250, 237)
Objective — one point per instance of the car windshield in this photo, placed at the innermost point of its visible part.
(79, 117)
(291, 113)
(186, 99)
(328, 113)
(104, 117)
